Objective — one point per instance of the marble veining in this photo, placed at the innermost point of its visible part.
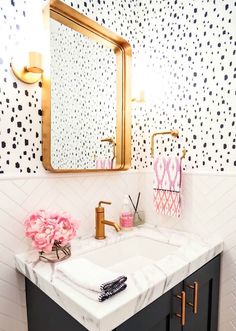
(144, 285)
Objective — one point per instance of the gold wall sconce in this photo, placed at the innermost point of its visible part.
(173, 133)
(139, 98)
(32, 71)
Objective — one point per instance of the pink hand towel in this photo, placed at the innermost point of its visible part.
(167, 186)
(104, 164)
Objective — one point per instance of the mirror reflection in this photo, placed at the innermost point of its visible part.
(86, 99)
(83, 101)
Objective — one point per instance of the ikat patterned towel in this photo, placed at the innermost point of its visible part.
(167, 185)
(104, 164)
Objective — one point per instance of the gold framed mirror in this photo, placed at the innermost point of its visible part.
(87, 99)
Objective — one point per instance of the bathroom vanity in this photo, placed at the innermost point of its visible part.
(161, 314)
(175, 290)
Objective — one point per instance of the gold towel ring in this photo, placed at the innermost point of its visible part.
(173, 133)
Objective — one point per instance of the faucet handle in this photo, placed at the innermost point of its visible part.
(103, 202)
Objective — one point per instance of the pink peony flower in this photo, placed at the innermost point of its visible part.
(46, 229)
(35, 223)
(66, 230)
(44, 241)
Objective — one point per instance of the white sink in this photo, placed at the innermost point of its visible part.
(131, 254)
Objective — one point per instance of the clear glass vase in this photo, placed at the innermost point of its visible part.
(58, 253)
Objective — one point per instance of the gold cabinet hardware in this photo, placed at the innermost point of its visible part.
(182, 297)
(194, 287)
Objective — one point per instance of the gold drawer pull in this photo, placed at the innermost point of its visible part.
(182, 297)
(195, 297)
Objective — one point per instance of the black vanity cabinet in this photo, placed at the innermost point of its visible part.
(200, 291)
(158, 315)
(206, 317)
(192, 305)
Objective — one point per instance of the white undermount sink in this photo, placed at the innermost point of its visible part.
(130, 254)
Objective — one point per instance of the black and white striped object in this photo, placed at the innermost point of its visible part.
(116, 289)
(108, 286)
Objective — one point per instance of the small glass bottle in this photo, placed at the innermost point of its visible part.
(126, 215)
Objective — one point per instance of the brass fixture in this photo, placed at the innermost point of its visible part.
(100, 221)
(32, 71)
(182, 298)
(140, 98)
(76, 21)
(173, 133)
(184, 151)
(195, 297)
(112, 142)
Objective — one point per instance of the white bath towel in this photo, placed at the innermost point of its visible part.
(95, 282)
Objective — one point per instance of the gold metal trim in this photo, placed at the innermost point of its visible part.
(112, 142)
(194, 305)
(122, 49)
(182, 298)
(30, 73)
(103, 202)
(24, 75)
(173, 133)
(184, 152)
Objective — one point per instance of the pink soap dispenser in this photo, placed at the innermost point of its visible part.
(126, 216)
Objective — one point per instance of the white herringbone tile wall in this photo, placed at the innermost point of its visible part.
(209, 207)
(78, 195)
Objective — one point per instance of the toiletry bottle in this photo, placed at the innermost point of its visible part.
(126, 216)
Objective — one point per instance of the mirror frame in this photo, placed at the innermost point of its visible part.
(122, 49)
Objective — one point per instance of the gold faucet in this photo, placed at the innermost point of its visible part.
(100, 221)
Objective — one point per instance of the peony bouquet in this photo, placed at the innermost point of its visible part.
(47, 229)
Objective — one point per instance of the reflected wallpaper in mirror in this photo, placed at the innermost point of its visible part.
(83, 100)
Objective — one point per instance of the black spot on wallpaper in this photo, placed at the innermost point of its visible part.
(189, 74)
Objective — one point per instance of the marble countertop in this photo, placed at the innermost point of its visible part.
(144, 285)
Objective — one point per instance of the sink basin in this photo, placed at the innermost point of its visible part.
(131, 254)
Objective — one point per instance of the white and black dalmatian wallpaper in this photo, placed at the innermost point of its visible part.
(83, 99)
(189, 73)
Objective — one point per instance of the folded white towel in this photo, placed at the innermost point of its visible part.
(95, 282)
